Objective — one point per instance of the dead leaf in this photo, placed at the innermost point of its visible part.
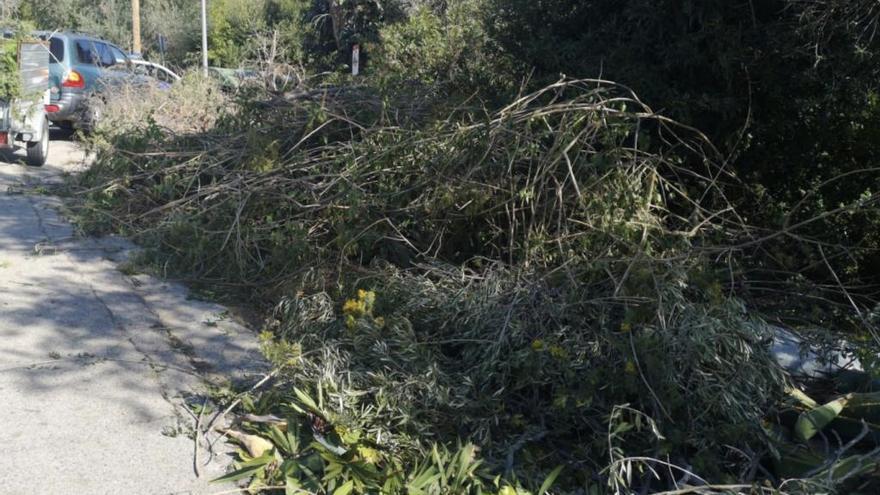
(255, 445)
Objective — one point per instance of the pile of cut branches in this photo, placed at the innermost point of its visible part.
(541, 282)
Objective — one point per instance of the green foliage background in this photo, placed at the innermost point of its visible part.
(787, 89)
(177, 20)
(10, 77)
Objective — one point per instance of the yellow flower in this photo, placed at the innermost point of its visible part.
(538, 344)
(560, 401)
(625, 327)
(368, 298)
(558, 352)
(630, 368)
(347, 435)
(380, 322)
(354, 308)
(370, 456)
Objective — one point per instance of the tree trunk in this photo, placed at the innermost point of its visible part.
(336, 19)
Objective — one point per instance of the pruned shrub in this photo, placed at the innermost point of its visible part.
(191, 105)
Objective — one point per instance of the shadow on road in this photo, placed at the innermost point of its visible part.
(70, 318)
(62, 134)
(90, 376)
(65, 156)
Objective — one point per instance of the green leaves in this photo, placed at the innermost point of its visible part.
(248, 468)
(308, 402)
(551, 478)
(345, 489)
(802, 398)
(809, 423)
(847, 416)
(283, 440)
(10, 77)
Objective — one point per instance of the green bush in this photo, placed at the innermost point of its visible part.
(10, 76)
(10, 72)
(448, 51)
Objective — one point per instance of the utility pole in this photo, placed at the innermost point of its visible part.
(205, 37)
(136, 26)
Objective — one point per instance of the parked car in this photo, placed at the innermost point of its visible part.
(165, 76)
(81, 66)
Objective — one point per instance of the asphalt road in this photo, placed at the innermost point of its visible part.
(95, 363)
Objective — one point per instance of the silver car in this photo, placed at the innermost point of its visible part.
(165, 76)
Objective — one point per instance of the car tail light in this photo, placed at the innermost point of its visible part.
(52, 108)
(4, 139)
(74, 80)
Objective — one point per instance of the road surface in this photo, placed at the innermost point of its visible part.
(97, 364)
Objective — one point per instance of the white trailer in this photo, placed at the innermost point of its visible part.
(23, 120)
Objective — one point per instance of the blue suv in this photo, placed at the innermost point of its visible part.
(80, 67)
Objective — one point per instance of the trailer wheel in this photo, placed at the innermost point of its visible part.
(38, 151)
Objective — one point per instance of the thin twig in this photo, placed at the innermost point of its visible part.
(197, 440)
(235, 402)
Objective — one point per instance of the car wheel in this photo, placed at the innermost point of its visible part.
(38, 151)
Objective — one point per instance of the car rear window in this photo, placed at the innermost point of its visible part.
(56, 47)
(85, 52)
